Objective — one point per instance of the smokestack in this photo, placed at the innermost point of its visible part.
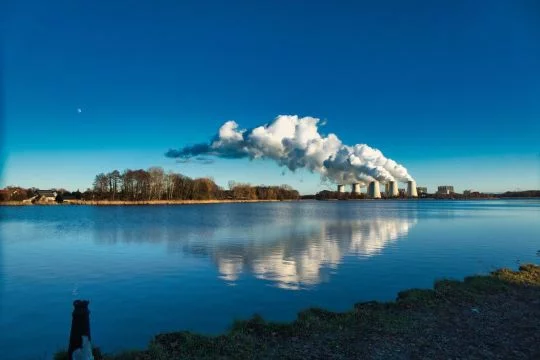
(356, 188)
(374, 191)
(341, 188)
(392, 189)
(411, 189)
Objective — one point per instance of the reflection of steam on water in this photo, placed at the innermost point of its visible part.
(295, 262)
(282, 250)
(370, 238)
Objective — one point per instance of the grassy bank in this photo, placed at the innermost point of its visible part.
(496, 316)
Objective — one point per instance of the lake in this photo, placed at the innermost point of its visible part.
(151, 269)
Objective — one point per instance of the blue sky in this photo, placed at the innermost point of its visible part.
(449, 89)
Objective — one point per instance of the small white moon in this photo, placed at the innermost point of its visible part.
(79, 110)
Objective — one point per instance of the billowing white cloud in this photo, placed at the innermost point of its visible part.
(296, 143)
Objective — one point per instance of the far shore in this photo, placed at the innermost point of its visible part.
(224, 201)
(127, 203)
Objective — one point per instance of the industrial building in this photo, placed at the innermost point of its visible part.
(392, 189)
(445, 189)
(421, 190)
(374, 190)
(411, 189)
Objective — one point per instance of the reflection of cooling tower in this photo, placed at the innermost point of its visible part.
(411, 189)
(373, 190)
(392, 189)
(356, 188)
(341, 188)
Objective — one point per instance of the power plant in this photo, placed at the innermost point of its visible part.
(411, 189)
(392, 189)
(374, 191)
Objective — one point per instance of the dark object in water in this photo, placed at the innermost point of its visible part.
(80, 326)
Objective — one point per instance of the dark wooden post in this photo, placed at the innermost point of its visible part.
(80, 326)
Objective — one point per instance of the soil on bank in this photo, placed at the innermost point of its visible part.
(482, 317)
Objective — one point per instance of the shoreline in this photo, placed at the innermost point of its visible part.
(198, 202)
(494, 316)
(132, 203)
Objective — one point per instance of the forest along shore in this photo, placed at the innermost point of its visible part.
(494, 316)
(140, 202)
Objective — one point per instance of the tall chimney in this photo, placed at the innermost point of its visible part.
(392, 189)
(356, 188)
(411, 189)
(341, 188)
(374, 191)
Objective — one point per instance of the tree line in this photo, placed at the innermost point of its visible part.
(156, 184)
(15, 193)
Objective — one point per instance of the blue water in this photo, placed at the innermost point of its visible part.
(198, 267)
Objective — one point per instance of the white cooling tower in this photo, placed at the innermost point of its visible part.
(392, 189)
(374, 191)
(411, 189)
(356, 188)
(341, 188)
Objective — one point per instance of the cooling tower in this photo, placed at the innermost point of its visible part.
(356, 188)
(392, 189)
(374, 191)
(411, 189)
(341, 188)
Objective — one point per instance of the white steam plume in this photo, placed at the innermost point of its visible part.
(296, 143)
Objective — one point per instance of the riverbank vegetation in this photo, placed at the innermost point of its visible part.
(156, 184)
(496, 316)
(152, 186)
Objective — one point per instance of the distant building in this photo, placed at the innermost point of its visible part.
(467, 192)
(421, 190)
(47, 195)
(445, 189)
(402, 192)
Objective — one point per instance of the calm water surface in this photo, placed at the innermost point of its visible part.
(164, 268)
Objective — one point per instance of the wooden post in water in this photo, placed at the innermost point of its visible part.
(80, 326)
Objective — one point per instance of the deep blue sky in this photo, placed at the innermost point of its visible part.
(450, 89)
